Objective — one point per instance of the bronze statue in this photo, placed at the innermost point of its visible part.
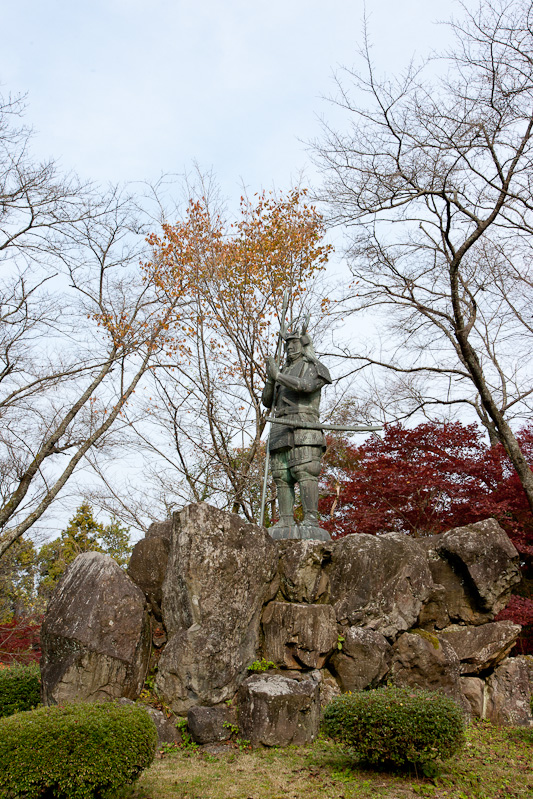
(296, 442)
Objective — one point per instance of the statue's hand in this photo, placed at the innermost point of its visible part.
(272, 369)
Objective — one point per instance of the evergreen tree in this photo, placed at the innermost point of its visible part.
(82, 534)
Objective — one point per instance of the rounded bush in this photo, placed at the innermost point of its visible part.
(396, 725)
(75, 751)
(20, 688)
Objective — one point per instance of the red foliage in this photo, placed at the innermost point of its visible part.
(426, 480)
(20, 641)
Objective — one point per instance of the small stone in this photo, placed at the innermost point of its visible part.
(147, 568)
(473, 689)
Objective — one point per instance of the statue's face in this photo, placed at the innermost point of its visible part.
(294, 349)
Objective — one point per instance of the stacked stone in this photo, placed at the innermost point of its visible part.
(356, 613)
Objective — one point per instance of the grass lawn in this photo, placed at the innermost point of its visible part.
(496, 762)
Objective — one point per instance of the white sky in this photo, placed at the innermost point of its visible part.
(124, 90)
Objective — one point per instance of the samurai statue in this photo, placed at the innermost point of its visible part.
(296, 443)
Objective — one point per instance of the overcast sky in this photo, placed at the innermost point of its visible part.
(124, 90)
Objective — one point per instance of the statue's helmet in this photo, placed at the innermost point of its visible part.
(301, 335)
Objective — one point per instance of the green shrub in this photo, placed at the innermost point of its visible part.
(20, 688)
(396, 725)
(75, 751)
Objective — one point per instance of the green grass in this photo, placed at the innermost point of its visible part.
(495, 763)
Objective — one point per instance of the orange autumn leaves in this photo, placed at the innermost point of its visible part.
(225, 281)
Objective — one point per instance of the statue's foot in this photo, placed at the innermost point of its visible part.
(286, 527)
(310, 530)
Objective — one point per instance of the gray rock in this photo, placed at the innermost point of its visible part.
(509, 689)
(363, 661)
(473, 689)
(453, 598)
(148, 566)
(210, 724)
(297, 635)
(160, 529)
(421, 660)
(278, 711)
(485, 557)
(302, 570)
(95, 636)
(481, 648)
(221, 572)
(329, 688)
(379, 582)
(167, 732)
(434, 614)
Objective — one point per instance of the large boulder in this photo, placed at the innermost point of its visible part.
(481, 648)
(303, 574)
(277, 711)
(380, 582)
(95, 636)
(508, 693)
(297, 635)
(452, 599)
(160, 529)
(364, 659)
(421, 660)
(485, 558)
(148, 566)
(221, 571)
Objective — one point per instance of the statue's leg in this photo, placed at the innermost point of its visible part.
(285, 527)
(306, 474)
(309, 497)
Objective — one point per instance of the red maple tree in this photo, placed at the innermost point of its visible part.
(20, 641)
(426, 480)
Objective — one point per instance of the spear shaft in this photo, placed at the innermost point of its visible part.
(278, 361)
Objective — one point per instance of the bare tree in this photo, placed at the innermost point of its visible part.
(81, 323)
(434, 181)
(201, 427)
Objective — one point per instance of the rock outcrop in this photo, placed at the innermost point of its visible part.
(96, 634)
(221, 572)
(278, 711)
(223, 597)
(421, 660)
(380, 582)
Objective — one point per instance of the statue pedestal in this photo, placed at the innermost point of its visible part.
(299, 532)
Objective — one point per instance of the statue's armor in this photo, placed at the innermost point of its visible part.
(295, 405)
(296, 451)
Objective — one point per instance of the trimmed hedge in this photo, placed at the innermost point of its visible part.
(74, 751)
(20, 688)
(396, 725)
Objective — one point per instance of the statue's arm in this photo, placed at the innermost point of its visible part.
(309, 382)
